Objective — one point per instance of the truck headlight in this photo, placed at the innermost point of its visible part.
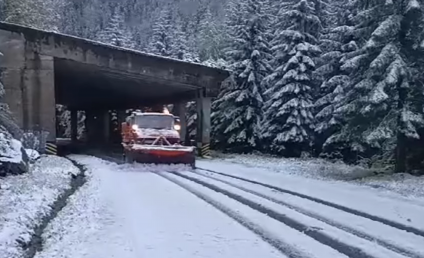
(177, 127)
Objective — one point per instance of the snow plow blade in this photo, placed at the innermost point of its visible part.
(161, 155)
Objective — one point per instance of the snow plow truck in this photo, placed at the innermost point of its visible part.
(150, 137)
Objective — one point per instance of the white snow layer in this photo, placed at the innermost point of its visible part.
(32, 154)
(331, 221)
(292, 241)
(125, 211)
(411, 186)
(26, 198)
(10, 149)
(387, 205)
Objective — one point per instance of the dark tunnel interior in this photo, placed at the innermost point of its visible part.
(82, 86)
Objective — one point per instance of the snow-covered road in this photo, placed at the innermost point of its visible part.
(146, 216)
(160, 211)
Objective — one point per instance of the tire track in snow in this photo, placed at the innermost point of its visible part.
(401, 250)
(327, 203)
(286, 249)
(328, 238)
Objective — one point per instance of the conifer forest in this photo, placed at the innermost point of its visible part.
(337, 79)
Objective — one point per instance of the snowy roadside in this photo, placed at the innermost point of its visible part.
(26, 199)
(84, 220)
(404, 184)
(406, 211)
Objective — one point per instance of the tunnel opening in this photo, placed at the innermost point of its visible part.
(102, 99)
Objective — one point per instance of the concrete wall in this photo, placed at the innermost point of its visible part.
(28, 78)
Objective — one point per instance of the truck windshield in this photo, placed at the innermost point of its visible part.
(155, 121)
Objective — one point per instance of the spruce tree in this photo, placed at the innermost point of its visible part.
(336, 43)
(289, 122)
(161, 41)
(219, 121)
(179, 46)
(384, 103)
(242, 106)
(41, 14)
(115, 33)
(210, 38)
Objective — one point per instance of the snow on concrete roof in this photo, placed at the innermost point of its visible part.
(38, 33)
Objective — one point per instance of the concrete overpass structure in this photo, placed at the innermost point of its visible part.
(41, 69)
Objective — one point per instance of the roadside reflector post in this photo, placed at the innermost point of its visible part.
(51, 148)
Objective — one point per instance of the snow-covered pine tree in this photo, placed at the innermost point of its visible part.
(210, 38)
(336, 42)
(41, 14)
(162, 41)
(242, 106)
(179, 46)
(219, 121)
(233, 19)
(289, 122)
(63, 125)
(115, 33)
(384, 104)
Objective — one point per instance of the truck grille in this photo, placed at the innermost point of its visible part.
(148, 141)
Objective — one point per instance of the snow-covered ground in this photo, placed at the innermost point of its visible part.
(126, 211)
(404, 184)
(405, 210)
(26, 198)
(173, 211)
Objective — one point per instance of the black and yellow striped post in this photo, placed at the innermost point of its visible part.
(205, 150)
(51, 148)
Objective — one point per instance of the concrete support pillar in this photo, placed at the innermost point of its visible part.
(74, 125)
(180, 110)
(105, 116)
(94, 127)
(41, 95)
(29, 83)
(203, 130)
(90, 127)
(122, 115)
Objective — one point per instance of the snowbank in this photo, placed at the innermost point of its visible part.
(404, 184)
(33, 155)
(312, 168)
(25, 199)
(84, 213)
(10, 149)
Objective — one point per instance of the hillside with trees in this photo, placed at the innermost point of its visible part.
(337, 79)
